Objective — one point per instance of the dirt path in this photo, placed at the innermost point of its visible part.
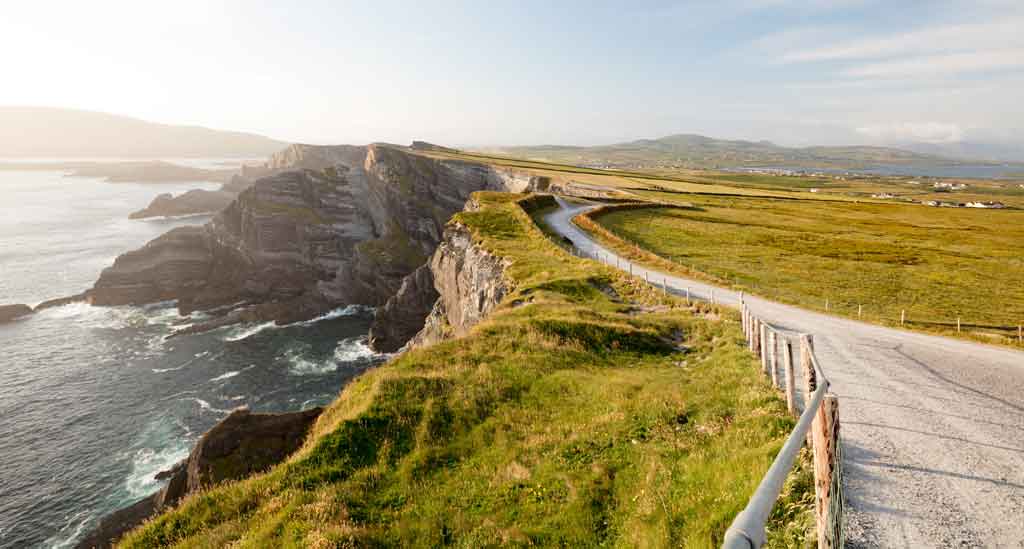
(932, 427)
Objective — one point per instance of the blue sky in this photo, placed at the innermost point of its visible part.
(489, 73)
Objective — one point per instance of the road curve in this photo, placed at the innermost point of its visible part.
(932, 428)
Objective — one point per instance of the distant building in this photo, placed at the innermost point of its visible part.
(885, 196)
(986, 205)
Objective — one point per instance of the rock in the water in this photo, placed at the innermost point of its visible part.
(60, 302)
(115, 525)
(194, 202)
(13, 312)
(242, 444)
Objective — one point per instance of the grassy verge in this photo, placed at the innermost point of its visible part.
(872, 259)
(589, 410)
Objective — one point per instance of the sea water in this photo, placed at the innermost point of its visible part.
(94, 401)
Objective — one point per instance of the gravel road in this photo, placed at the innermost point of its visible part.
(932, 428)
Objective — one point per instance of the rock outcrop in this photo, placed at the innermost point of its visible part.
(9, 313)
(460, 286)
(242, 444)
(403, 316)
(194, 202)
(300, 242)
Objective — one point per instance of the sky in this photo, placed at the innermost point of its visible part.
(478, 73)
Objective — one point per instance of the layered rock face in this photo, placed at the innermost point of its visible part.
(298, 243)
(468, 283)
(275, 242)
(240, 445)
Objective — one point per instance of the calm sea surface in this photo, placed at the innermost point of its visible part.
(94, 401)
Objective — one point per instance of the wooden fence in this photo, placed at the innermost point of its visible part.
(818, 426)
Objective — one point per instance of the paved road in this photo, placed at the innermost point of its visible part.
(932, 428)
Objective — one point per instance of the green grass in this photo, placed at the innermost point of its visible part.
(587, 411)
(937, 264)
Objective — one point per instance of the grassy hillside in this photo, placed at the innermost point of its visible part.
(937, 264)
(696, 151)
(588, 411)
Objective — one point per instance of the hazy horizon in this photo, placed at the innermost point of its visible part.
(826, 72)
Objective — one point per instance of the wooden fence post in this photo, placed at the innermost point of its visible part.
(787, 359)
(810, 376)
(958, 325)
(773, 357)
(826, 442)
(903, 316)
(757, 337)
(860, 308)
(687, 295)
(764, 348)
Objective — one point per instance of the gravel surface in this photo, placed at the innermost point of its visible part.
(932, 428)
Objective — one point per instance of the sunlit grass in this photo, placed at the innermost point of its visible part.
(936, 264)
(589, 410)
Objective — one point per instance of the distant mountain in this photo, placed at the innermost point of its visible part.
(994, 152)
(49, 132)
(697, 151)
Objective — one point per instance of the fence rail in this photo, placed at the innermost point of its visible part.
(818, 425)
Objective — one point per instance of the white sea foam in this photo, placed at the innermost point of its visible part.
(224, 376)
(147, 462)
(238, 334)
(205, 406)
(64, 538)
(300, 364)
(356, 349)
(350, 310)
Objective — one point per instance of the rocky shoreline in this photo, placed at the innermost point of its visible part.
(239, 445)
(322, 228)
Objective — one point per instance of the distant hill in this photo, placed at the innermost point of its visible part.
(697, 151)
(49, 132)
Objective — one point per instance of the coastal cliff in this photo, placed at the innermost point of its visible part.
(346, 228)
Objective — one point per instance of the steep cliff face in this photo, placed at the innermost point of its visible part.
(276, 242)
(468, 282)
(345, 230)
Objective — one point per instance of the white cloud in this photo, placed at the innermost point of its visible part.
(941, 64)
(995, 35)
(928, 132)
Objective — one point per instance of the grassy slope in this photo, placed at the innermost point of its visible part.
(935, 263)
(568, 418)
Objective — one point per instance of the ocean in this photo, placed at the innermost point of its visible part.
(94, 401)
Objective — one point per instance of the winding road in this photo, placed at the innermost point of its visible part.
(932, 428)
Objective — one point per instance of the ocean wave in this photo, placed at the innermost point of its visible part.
(205, 406)
(350, 310)
(240, 333)
(64, 538)
(147, 462)
(94, 317)
(194, 358)
(227, 375)
(356, 349)
(300, 363)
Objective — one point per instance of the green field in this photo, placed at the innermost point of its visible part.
(588, 411)
(936, 264)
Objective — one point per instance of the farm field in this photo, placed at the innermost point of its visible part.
(878, 259)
